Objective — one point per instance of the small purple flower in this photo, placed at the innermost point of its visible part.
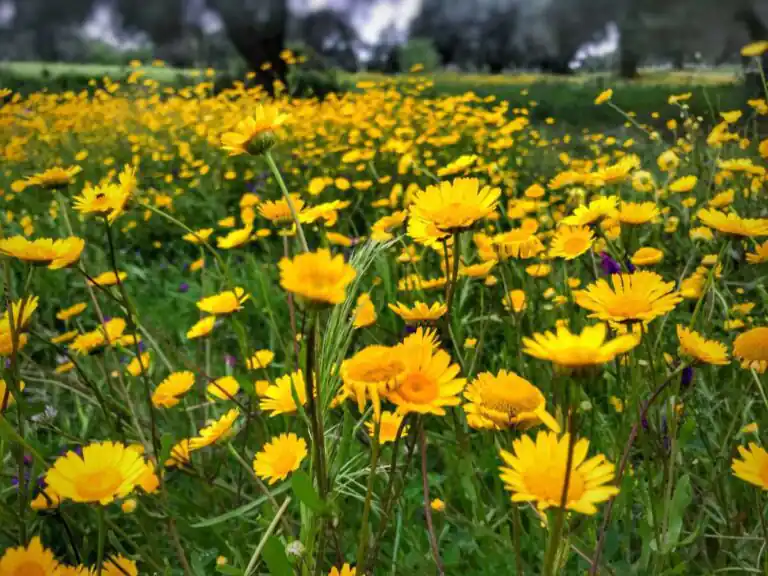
(409, 330)
(107, 319)
(630, 267)
(27, 460)
(687, 377)
(610, 266)
(183, 287)
(142, 347)
(230, 360)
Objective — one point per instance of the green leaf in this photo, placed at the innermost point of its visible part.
(275, 558)
(9, 433)
(230, 570)
(305, 491)
(237, 512)
(166, 444)
(681, 499)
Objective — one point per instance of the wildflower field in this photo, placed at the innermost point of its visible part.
(388, 332)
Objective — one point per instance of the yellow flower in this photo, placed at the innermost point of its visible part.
(3, 388)
(225, 302)
(21, 314)
(108, 278)
(647, 256)
(437, 505)
(198, 236)
(419, 312)
(578, 350)
(535, 191)
(389, 424)
(65, 337)
(477, 270)
(460, 165)
(339, 239)
(536, 472)
(429, 381)
(32, 560)
(683, 184)
(364, 313)
(278, 212)
(694, 345)
(751, 428)
(722, 199)
(604, 96)
(515, 301)
(215, 431)
(235, 238)
(641, 296)
(668, 161)
(732, 116)
(280, 457)
(751, 348)
(538, 270)
(254, 135)
(180, 454)
(454, 206)
(108, 199)
(605, 206)
(54, 177)
(169, 391)
(617, 404)
(636, 213)
(260, 359)
(223, 388)
(520, 242)
(760, 254)
(202, 327)
(72, 311)
(56, 253)
(105, 471)
(317, 277)
(753, 466)
(120, 566)
(346, 570)
(755, 48)
(733, 224)
(279, 397)
(381, 229)
(138, 364)
(571, 242)
(369, 374)
(505, 401)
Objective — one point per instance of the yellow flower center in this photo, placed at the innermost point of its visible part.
(29, 568)
(418, 388)
(99, 484)
(454, 215)
(575, 244)
(629, 305)
(283, 463)
(507, 399)
(546, 482)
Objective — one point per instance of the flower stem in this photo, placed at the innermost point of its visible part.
(427, 503)
(288, 200)
(517, 529)
(101, 539)
(363, 538)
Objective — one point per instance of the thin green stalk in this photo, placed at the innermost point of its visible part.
(288, 200)
(270, 529)
(363, 537)
(517, 529)
(427, 502)
(102, 537)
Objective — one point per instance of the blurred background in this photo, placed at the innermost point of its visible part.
(560, 37)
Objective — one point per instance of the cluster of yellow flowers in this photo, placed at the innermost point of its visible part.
(491, 232)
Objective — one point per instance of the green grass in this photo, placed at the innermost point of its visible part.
(35, 70)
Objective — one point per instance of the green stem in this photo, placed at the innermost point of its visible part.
(517, 529)
(288, 200)
(101, 540)
(363, 538)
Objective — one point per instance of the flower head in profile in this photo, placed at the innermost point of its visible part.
(139, 364)
(641, 296)
(345, 570)
(369, 374)
(364, 313)
(31, 560)
(105, 199)
(71, 311)
(760, 254)
(215, 431)
(317, 277)
(169, 392)
(683, 184)
(225, 302)
(751, 348)
(519, 242)
(279, 457)
(753, 465)
(202, 327)
(105, 471)
(419, 312)
(605, 206)
(604, 96)
(389, 425)
(578, 350)
(280, 397)
(255, 134)
(235, 238)
(55, 177)
(279, 212)
(223, 388)
(260, 360)
(637, 213)
(454, 206)
(55, 253)
(429, 381)
(647, 256)
(571, 242)
(505, 400)
(536, 472)
(755, 49)
(733, 224)
(695, 346)
(108, 278)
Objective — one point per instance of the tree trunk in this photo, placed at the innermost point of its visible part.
(628, 63)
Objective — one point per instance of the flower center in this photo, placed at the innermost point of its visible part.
(546, 482)
(379, 372)
(575, 244)
(29, 568)
(99, 484)
(509, 400)
(629, 305)
(418, 388)
(284, 462)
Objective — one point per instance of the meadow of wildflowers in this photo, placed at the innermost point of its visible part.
(382, 333)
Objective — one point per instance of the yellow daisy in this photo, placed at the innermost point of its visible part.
(647, 256)
(419, 312)
(279, 397)
(578, 350)
(753, 466)
(223, 388)
(254, 135)
(694, 345)
(317, 277)
(105, 471)
(571, 242)
(389, 424)
(536, 471)
(215, 431)
(202, 327)
(56, 253)
(235, 238)
(515, 301)
(345, 570)
(280, 457)
(751, 348)
(454, 206)
(368, 374)
(733, 224)
(168, 393)
(72, 311)
(605, 206)
(260, 359)
(519, 243)
(760, 254)
(225, 302)
(641, 296)
(637, 213)
(55, 177)
(31, 560)
(108, 278)
(364, 313)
